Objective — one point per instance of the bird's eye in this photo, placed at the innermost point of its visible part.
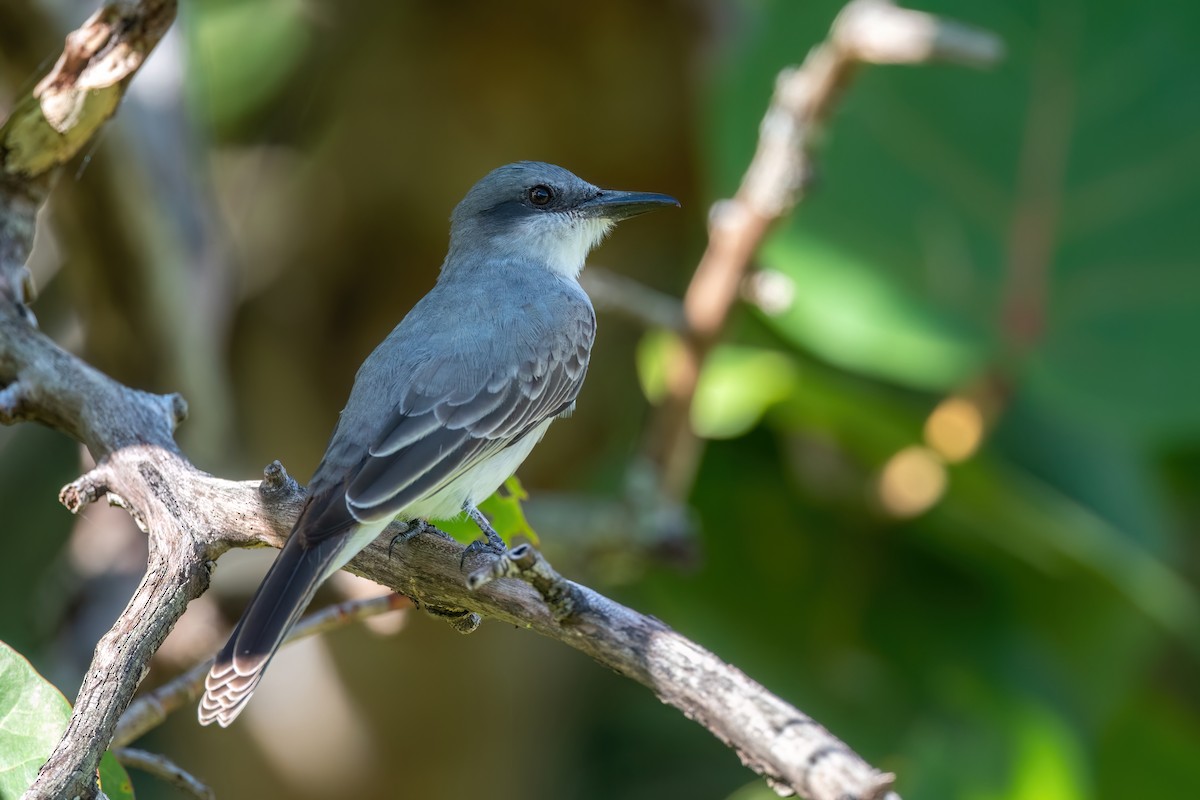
(540, 195)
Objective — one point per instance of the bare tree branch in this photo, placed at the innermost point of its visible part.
(53, 123)
(771, 736)
(611, 291)
(49, 126)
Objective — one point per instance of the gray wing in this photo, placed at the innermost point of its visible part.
(434, 437)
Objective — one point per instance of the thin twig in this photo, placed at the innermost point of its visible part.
(162, 767)
(151, 710)
(611, 291)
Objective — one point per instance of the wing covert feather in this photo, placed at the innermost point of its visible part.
(435, 436)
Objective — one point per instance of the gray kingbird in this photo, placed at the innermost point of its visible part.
(451, 402)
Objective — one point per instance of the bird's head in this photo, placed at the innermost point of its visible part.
(532, 210)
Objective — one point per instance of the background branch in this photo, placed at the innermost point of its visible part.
(152, 709)
(164, 768)
(865, 32)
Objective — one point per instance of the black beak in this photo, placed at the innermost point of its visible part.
(616, 206)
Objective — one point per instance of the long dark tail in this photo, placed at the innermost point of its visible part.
(280, 600)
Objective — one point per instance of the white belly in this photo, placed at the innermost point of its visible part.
(476, 484)
(473, 487)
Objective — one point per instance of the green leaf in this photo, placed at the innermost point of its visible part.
(246, 52)
(508, 517)
(857, 316)
(504, 511)
(756, 790)
(1049, 762)
(1158, 734)
(654, 352)
(114, 780)
(737, 385)
(33, 716)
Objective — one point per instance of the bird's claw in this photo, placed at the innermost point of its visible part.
(494, 546)
(415, 528)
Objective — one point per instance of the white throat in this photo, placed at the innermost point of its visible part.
(563, 240)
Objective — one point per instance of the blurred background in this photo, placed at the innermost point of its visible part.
(949, 501)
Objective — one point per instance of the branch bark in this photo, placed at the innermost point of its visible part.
(773, 738)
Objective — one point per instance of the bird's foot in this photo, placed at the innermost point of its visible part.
(494, 545)
(478, 546)
(525, 563)
(415, 528)
(522, 562)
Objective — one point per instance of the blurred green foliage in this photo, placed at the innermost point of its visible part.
(1030, 230)
(1014, 620)
(250, 50)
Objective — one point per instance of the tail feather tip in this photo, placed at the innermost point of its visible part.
(225, 695)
